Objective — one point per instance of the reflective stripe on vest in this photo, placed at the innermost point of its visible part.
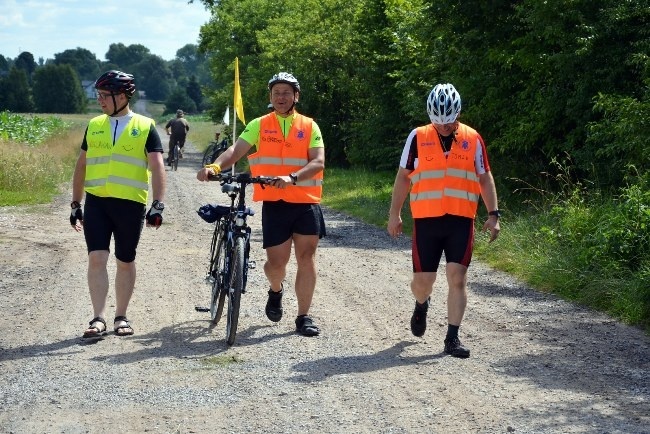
(119, 170)
(445, 185)
(277, 156)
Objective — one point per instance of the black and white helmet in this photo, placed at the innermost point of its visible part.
(443, 104)
(284, 77)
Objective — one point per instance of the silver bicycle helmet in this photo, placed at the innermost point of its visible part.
(443, 104)
(284, 77)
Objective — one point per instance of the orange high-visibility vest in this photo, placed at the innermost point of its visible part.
(277, 156)
(445, 185)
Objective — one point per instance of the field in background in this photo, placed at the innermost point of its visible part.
(34, 170)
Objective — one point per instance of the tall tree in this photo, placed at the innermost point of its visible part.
(4, 63)
(81, 60)
(178, 99)
(126, 56)
(25, 61)
(153, 76)
(57, 89)
(193, 91)
(15, 93)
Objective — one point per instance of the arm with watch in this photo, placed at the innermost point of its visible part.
(158, 185)
(489, 196)
(154, 215)
(316, 164)
(76, 215)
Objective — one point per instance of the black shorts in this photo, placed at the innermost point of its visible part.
(280, 220)
(107, 216)
(432, 236)
(173, 140)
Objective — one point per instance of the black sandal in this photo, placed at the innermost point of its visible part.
(95, 332)
(306, 327)
(123, 330)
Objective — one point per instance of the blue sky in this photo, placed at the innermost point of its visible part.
(47, 27)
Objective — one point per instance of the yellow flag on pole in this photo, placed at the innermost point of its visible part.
(239, 105)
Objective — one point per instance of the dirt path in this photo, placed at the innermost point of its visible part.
(538, 365)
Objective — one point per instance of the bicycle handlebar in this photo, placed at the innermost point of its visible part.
(242, 178)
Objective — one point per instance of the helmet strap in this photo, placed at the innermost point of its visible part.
(116, 110)
(288, 112)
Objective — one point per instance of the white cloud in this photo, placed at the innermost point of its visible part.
(44, 27)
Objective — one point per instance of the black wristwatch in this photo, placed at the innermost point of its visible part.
(294, 178)
(158, 205)
(495, 213)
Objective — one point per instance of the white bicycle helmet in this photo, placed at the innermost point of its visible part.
(443, 104)
(284, 77)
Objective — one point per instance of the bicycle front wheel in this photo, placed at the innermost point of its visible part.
(219, 289)
(236, 289)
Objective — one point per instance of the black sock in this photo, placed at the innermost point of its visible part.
(452, 331)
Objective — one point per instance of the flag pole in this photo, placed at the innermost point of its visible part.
(238, 111)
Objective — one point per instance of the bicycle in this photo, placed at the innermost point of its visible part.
(229, 249)
(175, 154)
(213, 150)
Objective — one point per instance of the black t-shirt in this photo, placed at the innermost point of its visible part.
(153, 141)
(445, 141)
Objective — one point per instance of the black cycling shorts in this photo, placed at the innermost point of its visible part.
(280, 220)
(173, 140)
(107, 216)
(432, 236)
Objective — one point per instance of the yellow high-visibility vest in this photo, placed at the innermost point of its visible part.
(119, 170)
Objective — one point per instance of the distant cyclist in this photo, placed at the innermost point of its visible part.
(179, 128)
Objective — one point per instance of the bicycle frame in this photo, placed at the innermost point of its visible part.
(235, 225)
(230, 248)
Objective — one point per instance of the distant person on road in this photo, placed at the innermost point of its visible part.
(177, 131)
(119, 153)
(444, 164)
(288, 146)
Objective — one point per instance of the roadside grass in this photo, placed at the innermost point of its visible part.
(586, 246)
(362, 193)
(34, 170)
(583, 245)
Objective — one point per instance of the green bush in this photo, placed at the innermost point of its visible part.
(28, 129)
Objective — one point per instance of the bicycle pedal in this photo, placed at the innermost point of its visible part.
(251, 265)
(201, 309)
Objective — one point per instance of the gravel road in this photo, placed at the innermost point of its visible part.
(538, 365)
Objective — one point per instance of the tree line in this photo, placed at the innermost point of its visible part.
(55, 85)
(540, 80)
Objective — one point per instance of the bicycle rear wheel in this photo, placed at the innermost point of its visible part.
(236, 289)
(176, 151)
(207, 155)
(219, 290)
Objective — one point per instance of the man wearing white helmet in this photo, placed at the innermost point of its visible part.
(289, 147)
(445, 168)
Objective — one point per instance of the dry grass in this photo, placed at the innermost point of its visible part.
(33, 174)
